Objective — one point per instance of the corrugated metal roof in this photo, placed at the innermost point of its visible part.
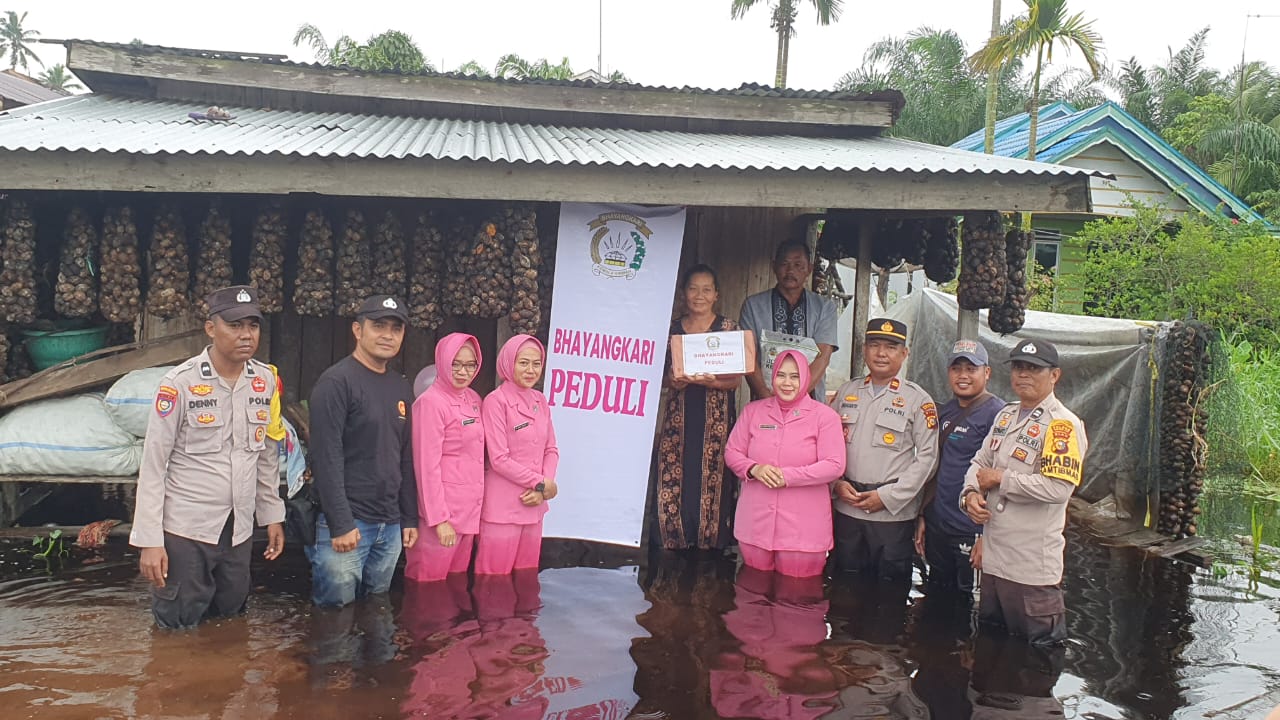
(744, 90)
(97, 123)
(24, 91)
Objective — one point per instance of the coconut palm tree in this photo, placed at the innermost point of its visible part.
(1045, 25)
(474, 69)
(783, 22)
(14, 40)
(392, 50)
(514, 67)
(58, 79)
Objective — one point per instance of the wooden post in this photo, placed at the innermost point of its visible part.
(861, 292)
(967, 325)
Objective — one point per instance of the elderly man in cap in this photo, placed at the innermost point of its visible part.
(1017, 487)
(362, 461)
(948, 540)
(209, 466)
(891, 436)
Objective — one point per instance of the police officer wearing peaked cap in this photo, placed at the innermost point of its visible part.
(209, 466)
(890, 427)
(1017, 487)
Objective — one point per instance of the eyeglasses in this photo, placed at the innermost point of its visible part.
(467, 368)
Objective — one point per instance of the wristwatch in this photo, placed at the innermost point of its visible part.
(964, 495)
(541, 487)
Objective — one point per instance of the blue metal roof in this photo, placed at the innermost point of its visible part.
(1064, 132)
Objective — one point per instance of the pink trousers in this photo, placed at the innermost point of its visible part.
(787, 562)
(504, 547)
(428, 560)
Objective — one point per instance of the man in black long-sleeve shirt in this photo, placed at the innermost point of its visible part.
(362, 462)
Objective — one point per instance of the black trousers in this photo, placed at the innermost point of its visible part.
(1036, 612)
(948, 559)
(880, 548)
(205, 581)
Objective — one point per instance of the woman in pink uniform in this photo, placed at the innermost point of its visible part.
(448, 457)
(787, 449)
(520, 476)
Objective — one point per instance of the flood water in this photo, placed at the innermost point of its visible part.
(687, 637)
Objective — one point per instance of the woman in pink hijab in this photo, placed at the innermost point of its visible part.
(787, 449)
(520, 476)
(448, 458)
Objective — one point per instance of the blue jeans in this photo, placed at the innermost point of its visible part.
(339, 578)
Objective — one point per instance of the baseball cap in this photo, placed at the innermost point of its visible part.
(970, 350)
(234, 303)
(1036, 352)
(887, 328)
(377, 307)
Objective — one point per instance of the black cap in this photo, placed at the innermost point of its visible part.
(1036, 352)
(234, 303)
(886, 328)
(377, 307)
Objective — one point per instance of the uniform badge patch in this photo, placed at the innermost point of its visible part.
(1020, 454)
(1033, 431)
(259, 384)
(1004, 420)
(200, 390)
(260, 434)
(263, 416)
(1063, 462)
(930, 415)
(166, 400)
(894, 384)
(851, 398)
(889, 438)
(400, 407)
(899, 401)
(206, 418)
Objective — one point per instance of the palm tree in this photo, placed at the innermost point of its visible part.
(993, 90)
(474, 69)
(1045, 25)
(57, 79)
(783, 22)
(392, 50)
(514, 67)
(14, 39)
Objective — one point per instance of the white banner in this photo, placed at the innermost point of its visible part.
(610, 312)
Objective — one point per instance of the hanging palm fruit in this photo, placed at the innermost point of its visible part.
(425, 310)
(76, 294)
(354, 267)
(1009, 315)
(478, 284)
(546, 275)
(839, 237)
(313, 288)
(942, 249)
(266, 257)
(915, 241)
(18, 278)
(526, 315)
(120, 298)
(167, 294)
(886, 245)
(982, 262)
(213, 261)
(1183, 426)
(390, 270)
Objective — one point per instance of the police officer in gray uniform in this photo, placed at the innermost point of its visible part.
(891, 437)
(208, 468)
(1018, 487)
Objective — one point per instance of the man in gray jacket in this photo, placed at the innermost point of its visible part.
(1018, 487)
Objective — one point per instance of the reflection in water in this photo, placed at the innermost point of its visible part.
(691, 638)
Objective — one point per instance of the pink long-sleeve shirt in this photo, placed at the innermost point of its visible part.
(448, 445)
(803, 438)
(521, 445)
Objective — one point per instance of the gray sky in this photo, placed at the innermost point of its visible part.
(656, 42)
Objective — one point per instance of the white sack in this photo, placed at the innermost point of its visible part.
(130, 400)
(66, 436)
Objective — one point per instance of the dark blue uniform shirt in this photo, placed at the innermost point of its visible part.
(959, 444)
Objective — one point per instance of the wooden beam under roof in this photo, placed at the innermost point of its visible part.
(151, 73)
(482, 180)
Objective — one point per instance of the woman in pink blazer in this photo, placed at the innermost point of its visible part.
(520, 476)
(787, 449)
(448, 458)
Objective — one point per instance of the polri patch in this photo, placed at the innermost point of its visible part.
(166, 400)
(1020, 454)
(259, 384)
(899, 401)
